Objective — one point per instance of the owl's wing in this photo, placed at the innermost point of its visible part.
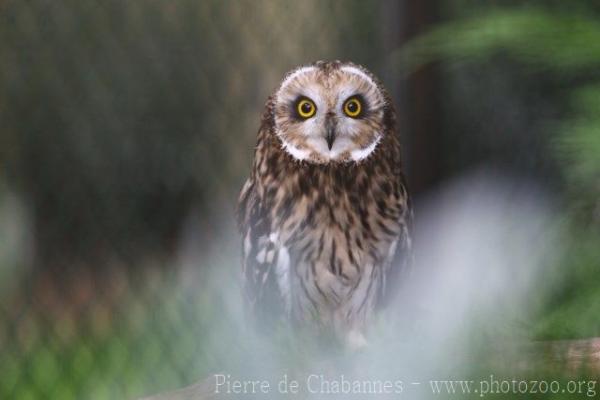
(265, 263)
(400, 259)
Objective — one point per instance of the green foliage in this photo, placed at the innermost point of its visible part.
(152, 338)
(578, 147)
(565, 45)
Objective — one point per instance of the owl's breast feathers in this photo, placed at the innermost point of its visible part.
(320, 241)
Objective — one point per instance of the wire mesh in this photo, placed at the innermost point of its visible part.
(127, 128)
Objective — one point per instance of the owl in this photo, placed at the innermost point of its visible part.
(325, 214)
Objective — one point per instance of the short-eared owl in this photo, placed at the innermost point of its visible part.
(325, 213)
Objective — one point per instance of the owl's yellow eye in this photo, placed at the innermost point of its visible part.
(353, 107)
(306, 108)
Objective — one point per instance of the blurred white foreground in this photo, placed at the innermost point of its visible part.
(482, 244)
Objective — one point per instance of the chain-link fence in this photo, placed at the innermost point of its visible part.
(126, 130)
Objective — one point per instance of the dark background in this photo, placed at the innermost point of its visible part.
(120, 119)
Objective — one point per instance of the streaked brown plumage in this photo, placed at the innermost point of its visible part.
(325, 213)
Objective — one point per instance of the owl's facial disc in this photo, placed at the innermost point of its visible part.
(324, 116)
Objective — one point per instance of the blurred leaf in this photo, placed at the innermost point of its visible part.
(579, 142)
(562, 43)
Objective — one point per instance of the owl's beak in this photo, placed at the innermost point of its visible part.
(330, 131)
(330, 138)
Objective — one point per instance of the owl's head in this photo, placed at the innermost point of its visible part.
(330, 112)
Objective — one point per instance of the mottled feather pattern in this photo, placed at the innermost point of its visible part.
(319, 238)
